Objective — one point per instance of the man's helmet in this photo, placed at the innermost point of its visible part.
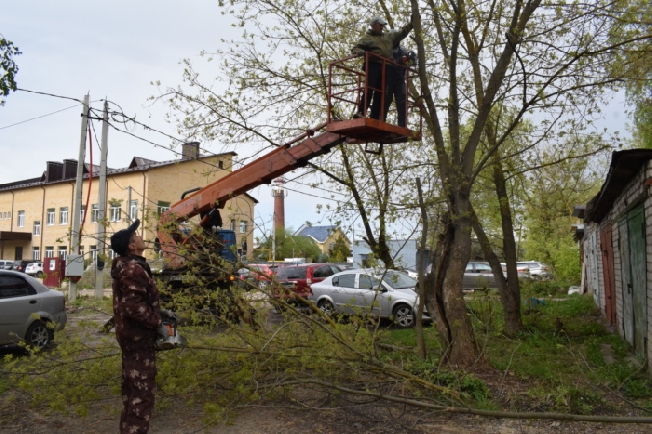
(379, 20)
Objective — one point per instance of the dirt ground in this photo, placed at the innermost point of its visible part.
(288, 416)
(284, 417)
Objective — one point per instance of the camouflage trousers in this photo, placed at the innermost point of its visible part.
(138, 386)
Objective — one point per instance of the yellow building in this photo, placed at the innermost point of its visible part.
(36, 214)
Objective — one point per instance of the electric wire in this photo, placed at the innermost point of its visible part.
(38, 117)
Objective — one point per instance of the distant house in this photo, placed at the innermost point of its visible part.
(323, 236)
(617, 247)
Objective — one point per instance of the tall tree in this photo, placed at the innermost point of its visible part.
(544, 61)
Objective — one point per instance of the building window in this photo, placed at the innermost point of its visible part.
(220, 164)
(37, 228)
(243, 227)
(95, 212)
(162, 207)
(50, 217)
(81, 251)
(49, 252)
(133, 210)
(82, 213)
(36, 254)
(112, 254)
(63, 251)
(115, 213)
(21, 219)
(63, 215)
(232, 226)
(93, 250)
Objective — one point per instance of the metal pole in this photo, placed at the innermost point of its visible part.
(274, 239)
(101, 205)
(129, 205)
(76, 214)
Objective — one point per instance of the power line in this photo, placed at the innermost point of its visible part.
(39, 117)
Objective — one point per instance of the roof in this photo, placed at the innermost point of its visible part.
(319, 233)
(137, 164)
(624, 167)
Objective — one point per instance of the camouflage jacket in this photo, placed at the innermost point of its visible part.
(381, 43)
(135, 303)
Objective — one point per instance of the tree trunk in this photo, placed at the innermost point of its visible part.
(511, 307)
(445, 297)
(511, 298)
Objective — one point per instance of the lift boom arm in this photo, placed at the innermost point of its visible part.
(261, 171)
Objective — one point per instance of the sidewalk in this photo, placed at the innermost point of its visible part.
(106, 292)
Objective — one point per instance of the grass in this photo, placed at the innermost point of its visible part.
(556, 358)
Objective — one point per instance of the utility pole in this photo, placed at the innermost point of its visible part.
(76, 214)
(101, 211)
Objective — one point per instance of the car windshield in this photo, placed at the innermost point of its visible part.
(399, 280)
(292, 273)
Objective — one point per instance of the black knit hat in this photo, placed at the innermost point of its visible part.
(120, 240)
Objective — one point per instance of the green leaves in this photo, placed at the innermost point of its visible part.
(8, 68)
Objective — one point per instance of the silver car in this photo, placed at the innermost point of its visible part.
(29, 311)
(388, 295)
(538, 270)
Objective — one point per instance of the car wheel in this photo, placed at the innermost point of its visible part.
(39, 274)
(262, 285)
(403, 316)
(39, 335)
(326, 307)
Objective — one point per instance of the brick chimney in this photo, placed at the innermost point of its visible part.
(190, 150)
(279, 193)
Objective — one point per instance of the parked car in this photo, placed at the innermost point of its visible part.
(6, 264)
(522, 271)
(20, 265)
(34, 269)
(478, 275)
(296, 279)
(260, 274)
(29, 311)
(388, 295)
(538, 270)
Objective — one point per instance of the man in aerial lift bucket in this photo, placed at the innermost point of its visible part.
(378, 42)
(396, 83)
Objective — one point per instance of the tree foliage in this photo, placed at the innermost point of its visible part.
(340, 250)
(484, 69)
(8, 68)
(289, 246)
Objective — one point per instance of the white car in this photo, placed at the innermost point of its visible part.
(29, 311)
(34, 269)
(537, 270)
(366, 291)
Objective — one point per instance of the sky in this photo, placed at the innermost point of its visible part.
(114, 50)
(111, 50)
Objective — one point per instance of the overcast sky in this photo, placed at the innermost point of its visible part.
(111, 50)
(115, 49)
